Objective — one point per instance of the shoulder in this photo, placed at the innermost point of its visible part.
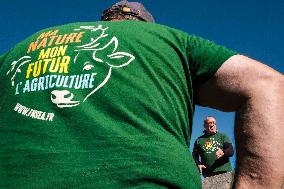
(221, 135)
(201, 137)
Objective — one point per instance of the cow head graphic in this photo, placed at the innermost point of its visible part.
(102, 53)
(16, 66)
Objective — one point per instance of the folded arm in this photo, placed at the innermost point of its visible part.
(255, 92)
(228, 149)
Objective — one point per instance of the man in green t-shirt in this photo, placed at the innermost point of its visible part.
(214, 149)
(110, 105)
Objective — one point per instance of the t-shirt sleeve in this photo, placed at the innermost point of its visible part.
(2, 58)
(205, 58)
(195, 147)
(195, 152)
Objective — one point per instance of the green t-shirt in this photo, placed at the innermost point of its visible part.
(206, 146)
(102, 105)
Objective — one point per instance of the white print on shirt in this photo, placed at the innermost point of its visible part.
(82, 81)
(51, 70)
(211, 146)
(19, 63)
(35, 114)
(114, 60)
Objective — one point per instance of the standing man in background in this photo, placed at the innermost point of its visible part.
(109, 104)
(214, 149)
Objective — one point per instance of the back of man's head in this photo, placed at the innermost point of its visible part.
(125, 10)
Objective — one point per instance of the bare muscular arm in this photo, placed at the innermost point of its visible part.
(256, 93)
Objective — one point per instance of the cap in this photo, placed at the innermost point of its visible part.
(133, 8)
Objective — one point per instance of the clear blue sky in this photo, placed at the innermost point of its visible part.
(254, 28)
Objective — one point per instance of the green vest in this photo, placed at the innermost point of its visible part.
(102, 105)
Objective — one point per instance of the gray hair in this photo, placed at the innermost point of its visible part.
(209, 116)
